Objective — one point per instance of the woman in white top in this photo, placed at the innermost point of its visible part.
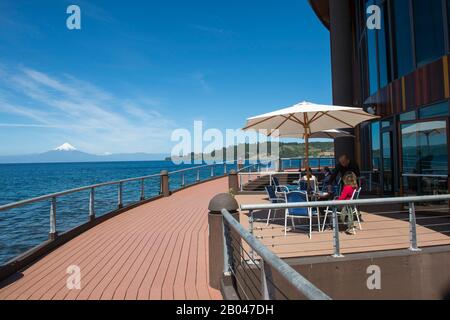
(312, 179)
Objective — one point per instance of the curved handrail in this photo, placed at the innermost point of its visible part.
(90, 187)
(295, 279)
(72, 191)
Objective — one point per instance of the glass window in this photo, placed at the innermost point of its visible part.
(436, 110)
(429, 30)
(371, 36)
(365, 147)
(383, 48)
(378, 52)
(403, 37)
(425, 157)
(386, 123)
(387, 162)
(376, 146)
(408, 116)
(448, 14)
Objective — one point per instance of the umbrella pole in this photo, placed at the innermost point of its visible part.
(307, 160)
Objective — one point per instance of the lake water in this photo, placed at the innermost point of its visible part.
(24, 228)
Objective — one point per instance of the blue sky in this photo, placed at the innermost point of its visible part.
(140, 69)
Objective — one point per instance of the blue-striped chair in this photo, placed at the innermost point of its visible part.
(270, 190)
(278, 187)
(300, 213)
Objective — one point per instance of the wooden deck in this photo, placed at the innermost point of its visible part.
(156, 251)
(160, 250)
(380, 232)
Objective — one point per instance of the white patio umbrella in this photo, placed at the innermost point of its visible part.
(326, 134)
(306, 118)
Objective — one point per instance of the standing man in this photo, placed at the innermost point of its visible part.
(345, 165)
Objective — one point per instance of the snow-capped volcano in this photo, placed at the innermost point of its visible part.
(66, 147)
(68, 153)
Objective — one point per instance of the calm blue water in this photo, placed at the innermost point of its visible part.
(24, 228)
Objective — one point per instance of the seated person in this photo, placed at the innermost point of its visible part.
(311, 178)
(326, 172)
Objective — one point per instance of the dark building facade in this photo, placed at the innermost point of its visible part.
(401, 73)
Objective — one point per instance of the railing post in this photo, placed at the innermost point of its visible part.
(225, 169)
(212, 171)
(165, 189)
(142, 189)
(336, 244)
(120, 196)
(198, 175)
(227, 258)
(267, 288)
(92, 205)
(220, 252)
(241, 183)
(413, 228)
(251, 220)
(183, 182)
(52, 234)
(233, 184)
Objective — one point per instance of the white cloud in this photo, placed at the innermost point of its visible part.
(97, 120)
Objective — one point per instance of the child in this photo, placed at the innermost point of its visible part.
(350, 185)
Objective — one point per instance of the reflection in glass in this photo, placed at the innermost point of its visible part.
(376, 147)
(429, 30)
(436, 110)
(372, 56)
(387, 163)
(403, 37)
(408, 116)
(425, 153)
(383, 48)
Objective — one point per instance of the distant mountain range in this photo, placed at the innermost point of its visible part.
(68, 153)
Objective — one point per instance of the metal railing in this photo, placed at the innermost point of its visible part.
(314, 162)
(189, 176)
(258, 283)
(253, 172)
(435, 218)
(248, 177)
(213, 170)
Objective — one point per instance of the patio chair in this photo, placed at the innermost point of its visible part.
(355, 208)
(355, 196)
(270, 190)
(303, 185)
(299, 213)
(279, 189)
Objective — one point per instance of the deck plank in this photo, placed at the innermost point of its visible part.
(155, 251)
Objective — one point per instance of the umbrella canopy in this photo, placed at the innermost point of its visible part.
(306, 118)
(326, 134)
